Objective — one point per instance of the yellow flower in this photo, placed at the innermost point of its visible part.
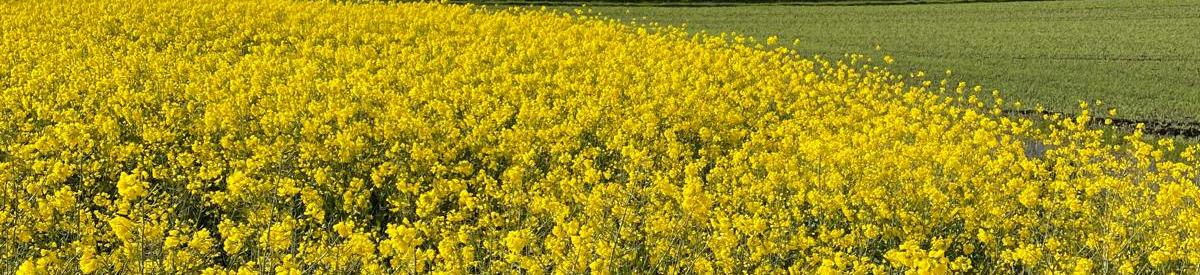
(87, 261)
(123, 228)
(279, 237)
(28, 268)
(130, 186)
(344, 228)
(201, 241)
(516, 241)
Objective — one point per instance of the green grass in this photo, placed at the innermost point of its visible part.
(718, 2)
(1142, 57)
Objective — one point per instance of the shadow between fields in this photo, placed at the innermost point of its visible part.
(730, 4)
(1157, 127)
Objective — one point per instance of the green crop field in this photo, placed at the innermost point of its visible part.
(1142, 57)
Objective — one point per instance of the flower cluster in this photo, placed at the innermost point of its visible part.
(283, 137)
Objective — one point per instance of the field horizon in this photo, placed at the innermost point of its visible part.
(1130, 55)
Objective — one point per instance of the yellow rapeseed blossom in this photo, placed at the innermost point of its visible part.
(313, 137)
(130, 186)
(122, 228)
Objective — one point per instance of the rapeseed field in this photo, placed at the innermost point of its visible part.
(295, 137)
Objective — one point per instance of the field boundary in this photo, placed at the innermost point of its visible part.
(729, 4)
(1157, 127)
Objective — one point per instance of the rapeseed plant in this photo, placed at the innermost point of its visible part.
(231, 136)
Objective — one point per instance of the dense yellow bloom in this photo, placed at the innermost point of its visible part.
(87, 261)
(298, 137)
(123, 228)
(27, 268)
(278, 237)
(130, 186)
(201, 241)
